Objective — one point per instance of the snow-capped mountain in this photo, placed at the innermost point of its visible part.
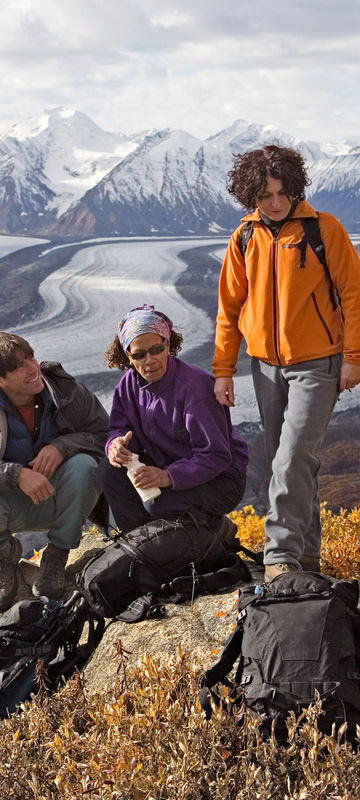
(336, 186)
(172, 183)
(60, 173)
(50, 161)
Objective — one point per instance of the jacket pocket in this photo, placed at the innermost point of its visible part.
(181, 434)
(321, 318)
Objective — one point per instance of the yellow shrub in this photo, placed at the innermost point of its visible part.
(340, 551)
(250, 527)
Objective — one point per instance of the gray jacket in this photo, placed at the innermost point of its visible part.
(81, 419)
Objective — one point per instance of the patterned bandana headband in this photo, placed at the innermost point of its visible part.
(144, 319)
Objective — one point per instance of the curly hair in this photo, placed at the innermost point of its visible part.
(116, 357)
(251, 170)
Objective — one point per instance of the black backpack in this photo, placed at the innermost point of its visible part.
(164, 560)
(312, 236)
(44, 629)
(296, 636)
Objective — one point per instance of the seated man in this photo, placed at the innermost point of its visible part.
(52, 434)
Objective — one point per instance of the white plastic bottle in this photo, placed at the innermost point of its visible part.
(145, 494)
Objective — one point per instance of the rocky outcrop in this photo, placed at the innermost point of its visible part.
(200, 627)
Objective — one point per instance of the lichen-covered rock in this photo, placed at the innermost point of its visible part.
(200, 627)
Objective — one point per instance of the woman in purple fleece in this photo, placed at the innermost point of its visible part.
(165, 411)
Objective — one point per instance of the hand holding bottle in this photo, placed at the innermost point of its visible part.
(136, 472)
(147, 476)
(118, 453)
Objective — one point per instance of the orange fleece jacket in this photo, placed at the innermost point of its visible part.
(283, 311)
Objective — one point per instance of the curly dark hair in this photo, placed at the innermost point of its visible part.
(116, 357)
(251, 170)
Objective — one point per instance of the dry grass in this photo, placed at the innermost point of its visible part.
(151, 742)
(147, 738)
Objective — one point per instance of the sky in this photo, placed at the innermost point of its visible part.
(193, 64)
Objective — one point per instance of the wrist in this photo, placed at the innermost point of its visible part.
(170, 483)
(17, 471)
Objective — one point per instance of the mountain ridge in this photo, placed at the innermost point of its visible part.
(61, 174)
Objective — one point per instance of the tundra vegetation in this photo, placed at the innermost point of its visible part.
(146, 738)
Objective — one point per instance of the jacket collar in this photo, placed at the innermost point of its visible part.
(303, 209)
(50, 389)
(60, 384)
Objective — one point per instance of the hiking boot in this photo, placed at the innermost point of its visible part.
(23, 591)
(50, 581)
(273, 570)
(9, 572)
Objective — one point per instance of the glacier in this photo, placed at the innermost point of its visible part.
(85, 299)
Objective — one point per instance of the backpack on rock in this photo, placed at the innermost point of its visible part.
(43, 629)
(297, 638)
(164, 560)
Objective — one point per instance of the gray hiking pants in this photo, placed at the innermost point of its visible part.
(295, 405)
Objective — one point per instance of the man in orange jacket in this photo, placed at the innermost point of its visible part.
(301, 322)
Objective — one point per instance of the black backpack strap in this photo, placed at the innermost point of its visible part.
(148, 606)
(218, 673)
(244, 236)
(312, 236)
(230, 653)
(69, 622)
(257, 557)
(79, 653)
(312, 233)
(231, 573)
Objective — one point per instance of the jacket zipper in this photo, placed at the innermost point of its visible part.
(274, 300)
(321, 318)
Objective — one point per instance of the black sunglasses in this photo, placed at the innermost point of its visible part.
(155, 350)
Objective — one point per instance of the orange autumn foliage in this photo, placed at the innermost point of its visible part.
(340, 550)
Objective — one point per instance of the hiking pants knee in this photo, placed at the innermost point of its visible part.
(295, 405)
(217, 497)
(76, 493)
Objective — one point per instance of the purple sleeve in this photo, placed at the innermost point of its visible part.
(120, 421)
(207, 426)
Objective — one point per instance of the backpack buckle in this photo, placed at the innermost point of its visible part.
(246, 680)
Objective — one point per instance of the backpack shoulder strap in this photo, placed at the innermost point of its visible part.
(231, 651)
(244, 236)
(229, 575)
(218, 673)
(312, 233)
(68, 632)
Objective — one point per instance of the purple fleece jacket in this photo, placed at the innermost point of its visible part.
(179, 423)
